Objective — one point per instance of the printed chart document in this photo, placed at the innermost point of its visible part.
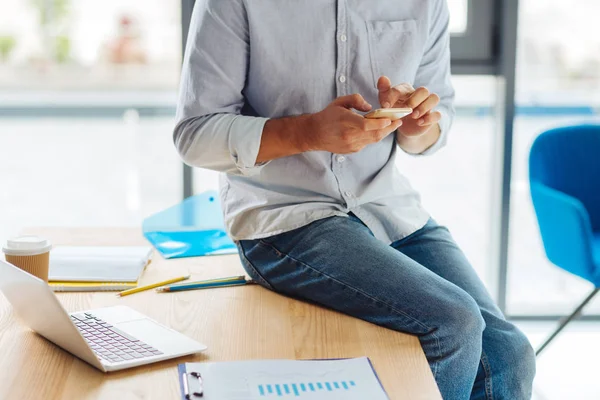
(348, 379)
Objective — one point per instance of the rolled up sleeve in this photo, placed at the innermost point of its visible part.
(434, 70)
(210, 131)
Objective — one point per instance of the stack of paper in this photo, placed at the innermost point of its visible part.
(97, 268)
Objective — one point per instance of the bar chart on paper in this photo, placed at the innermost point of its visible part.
(315, 380)
(305, 389)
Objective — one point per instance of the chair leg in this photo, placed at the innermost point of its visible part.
(566, 320)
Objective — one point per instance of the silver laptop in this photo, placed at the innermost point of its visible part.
(110, 339)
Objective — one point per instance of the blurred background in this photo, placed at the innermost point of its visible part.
(87, 100)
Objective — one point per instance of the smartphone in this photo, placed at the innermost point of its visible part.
(389, 113)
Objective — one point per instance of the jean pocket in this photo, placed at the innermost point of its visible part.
(255, 275)
(394, 50)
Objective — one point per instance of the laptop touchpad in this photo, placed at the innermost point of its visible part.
(149, 331)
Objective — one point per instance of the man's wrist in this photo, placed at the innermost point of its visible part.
(411, 137)
(417, 144)
(284, 137)
(302, 130)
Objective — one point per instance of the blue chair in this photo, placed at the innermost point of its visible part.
(564, 173)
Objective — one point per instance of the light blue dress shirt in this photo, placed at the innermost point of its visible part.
(250, 60)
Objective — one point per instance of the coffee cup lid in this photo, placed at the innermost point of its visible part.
(26, 246)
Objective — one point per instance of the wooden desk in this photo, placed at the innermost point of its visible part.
(235, 323)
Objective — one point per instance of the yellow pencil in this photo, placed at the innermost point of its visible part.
(152, 286)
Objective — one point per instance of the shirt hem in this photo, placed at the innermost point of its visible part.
(418, 227)
(289, 228)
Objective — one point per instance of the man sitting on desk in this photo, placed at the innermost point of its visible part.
(311, 193)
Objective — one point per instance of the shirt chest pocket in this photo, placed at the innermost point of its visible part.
(394, 50)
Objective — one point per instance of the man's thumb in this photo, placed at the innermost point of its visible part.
(355, 101)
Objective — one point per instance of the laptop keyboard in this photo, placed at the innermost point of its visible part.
(110, 343)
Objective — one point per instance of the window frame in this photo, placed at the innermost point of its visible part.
(478, 44)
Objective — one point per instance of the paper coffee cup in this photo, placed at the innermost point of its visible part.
(30, 253)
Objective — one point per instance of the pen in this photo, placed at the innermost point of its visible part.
(203, 285)
(152, 286)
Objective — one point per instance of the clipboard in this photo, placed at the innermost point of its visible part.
(186, 384)
(329, 387)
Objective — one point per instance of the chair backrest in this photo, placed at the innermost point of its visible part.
(568, 160)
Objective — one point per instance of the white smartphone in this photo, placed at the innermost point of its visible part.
(389, 113)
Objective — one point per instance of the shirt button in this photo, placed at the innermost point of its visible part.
(348, 194)
(342, 78)
(341, 159)
(343, 38)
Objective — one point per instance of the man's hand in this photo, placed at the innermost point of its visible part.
(336, 129)
(420, 129)
(339, 130)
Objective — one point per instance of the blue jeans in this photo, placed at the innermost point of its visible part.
(422, 285)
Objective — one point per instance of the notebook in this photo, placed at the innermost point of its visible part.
(348, 379)
(98, 264)
(91, 286)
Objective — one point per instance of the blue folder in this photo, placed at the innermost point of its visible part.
(192, 228)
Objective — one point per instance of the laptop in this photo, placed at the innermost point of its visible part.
(110, 339)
